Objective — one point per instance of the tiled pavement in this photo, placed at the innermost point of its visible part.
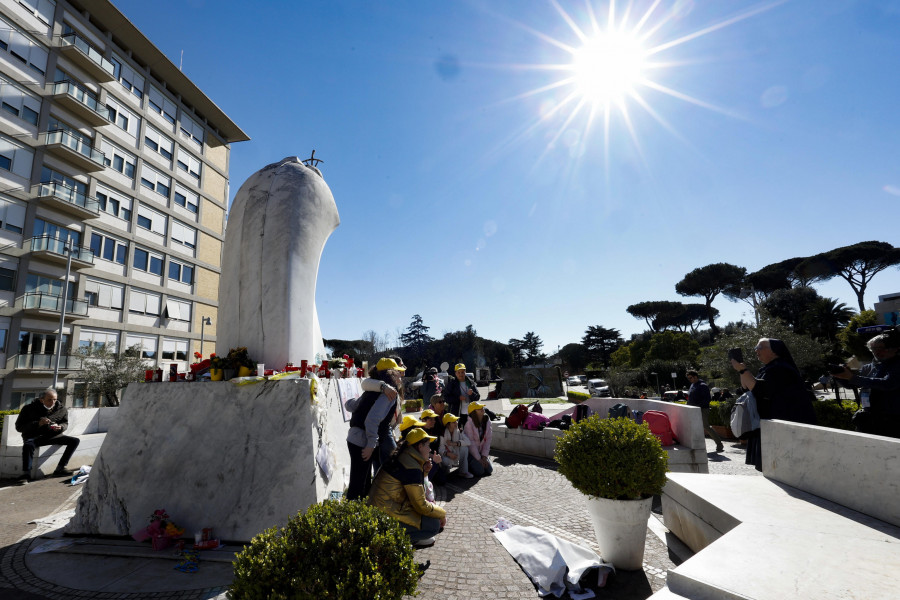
(466, 562)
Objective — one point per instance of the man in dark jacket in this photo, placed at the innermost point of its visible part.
(459, 391)
(42, 423)
(699, 396)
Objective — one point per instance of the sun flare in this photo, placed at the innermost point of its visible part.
(607, 68)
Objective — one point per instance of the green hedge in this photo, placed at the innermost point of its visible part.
(3, 414)
(838, 415)
(577, 396)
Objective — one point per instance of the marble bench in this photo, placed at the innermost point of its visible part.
(87, 424)
(687, 456)
(823, 522)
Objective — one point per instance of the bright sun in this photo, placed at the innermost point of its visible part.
(607, 68)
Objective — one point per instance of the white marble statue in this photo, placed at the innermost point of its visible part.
(278, 225)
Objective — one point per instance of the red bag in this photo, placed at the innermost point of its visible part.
(517, 417)
(660, 426)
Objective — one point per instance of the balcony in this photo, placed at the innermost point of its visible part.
(74, 150)
(48, 305)
(79, 51)
(47, 362)
(75, 98)
(61, 197)
(54, 250)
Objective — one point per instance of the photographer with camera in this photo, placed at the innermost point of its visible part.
(879, 383)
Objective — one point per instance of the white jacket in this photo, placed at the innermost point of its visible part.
(457, 436)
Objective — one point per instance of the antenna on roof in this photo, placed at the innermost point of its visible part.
(312, 161)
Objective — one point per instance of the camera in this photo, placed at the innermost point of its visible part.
(736, 354)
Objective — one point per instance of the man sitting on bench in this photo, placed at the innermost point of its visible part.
(42, 423)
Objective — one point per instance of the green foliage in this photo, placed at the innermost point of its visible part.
(338, 549)
(710, 281)
(574, 356)
(720, 412)
(105, 371)
(412, 405)
(856, 264)
(3, 414)
(855, 343)
(831, 413)
(670, 345)
(600, 343)
(612, 458)
(577, 396)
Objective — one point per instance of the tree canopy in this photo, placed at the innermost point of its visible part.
(710, 281)
(856, 264)
(600, 342)
(105, 371)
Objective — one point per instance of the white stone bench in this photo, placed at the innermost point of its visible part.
(687, 456)
(87, 424)
(823, 522)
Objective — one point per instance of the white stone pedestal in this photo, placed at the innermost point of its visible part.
(239, 459)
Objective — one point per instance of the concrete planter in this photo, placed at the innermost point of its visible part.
(621, 530)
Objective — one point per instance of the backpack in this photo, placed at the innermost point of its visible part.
(582, 411)
(535, 421)
(557, 424)
(659, 425)
(618, 410)
(536, 407)
(517, 416)
(744, 415)
(638, 416)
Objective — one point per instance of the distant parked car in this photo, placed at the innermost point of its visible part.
(598, 388)
(573, 380)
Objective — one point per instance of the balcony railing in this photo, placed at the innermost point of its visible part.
(49, 302)
(60, 191)
(55, 246)
(47, 361)
(76, 144)
(84, 98)
(73, 39)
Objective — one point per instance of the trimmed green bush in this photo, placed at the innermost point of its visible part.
(612, 458)
(3, 414)
(338, 549)
(720, 412)
(838, 415)
(577, 396)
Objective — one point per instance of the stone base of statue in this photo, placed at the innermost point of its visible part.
(238, 459)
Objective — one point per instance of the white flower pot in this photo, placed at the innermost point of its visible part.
(621, 530)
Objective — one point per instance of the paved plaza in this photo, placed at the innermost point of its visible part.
(466, 562)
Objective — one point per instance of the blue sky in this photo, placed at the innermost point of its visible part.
(470, 193)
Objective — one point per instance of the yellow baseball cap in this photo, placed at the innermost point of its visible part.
(388, 363)
(450, 418)
(417, 435)
(428, 414)
(459, 366)
(410, 421)
(474, 406)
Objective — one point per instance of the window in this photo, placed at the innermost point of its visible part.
(159, 143)
(15, 157)
(8, 279)
(23, 49)
(151, 220)
(154, 180)
(127, 76)
(182, 272)
(108, 248)
(4, 334)
(114, 203)
(147, 261)
(192, 130)
(40, 284)
(95, 339)
(161, 105)
(178, 310)
(186, 198)
(189, 164)
(19, 102)
(103, 294)
(174, 349)
(12, 214)
(184, 235)
(146, 344)
(144, 303)
(49, 175)
(20, 399)
(123, 118)
(44, 228)
(118, 159)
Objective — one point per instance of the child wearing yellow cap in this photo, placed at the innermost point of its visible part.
(454, 448)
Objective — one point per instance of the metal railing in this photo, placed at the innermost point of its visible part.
(73, 39)
(76, 144)
(68, 194)
(46, 243)
(81, 95)
(44, 301)
(47, 361)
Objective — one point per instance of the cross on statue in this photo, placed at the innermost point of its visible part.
(312, 161)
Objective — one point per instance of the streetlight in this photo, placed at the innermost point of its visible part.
(204, 321)
(658, 392)
(674, 386)
(62, 313)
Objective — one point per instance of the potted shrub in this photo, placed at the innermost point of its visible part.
(720, 418)
(239, 363)
(337, 549)
(619, 466)
(216, 367)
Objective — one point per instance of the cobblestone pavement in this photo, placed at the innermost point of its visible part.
(466, 562)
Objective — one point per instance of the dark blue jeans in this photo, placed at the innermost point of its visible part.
(430, 528)
(29, 446)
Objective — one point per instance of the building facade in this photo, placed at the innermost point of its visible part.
(113, 161)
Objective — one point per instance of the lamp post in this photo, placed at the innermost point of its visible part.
(204, 321)
(674, 386)
(62, 313)
(658, 392)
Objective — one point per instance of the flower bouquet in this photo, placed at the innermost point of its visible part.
(161, 531)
